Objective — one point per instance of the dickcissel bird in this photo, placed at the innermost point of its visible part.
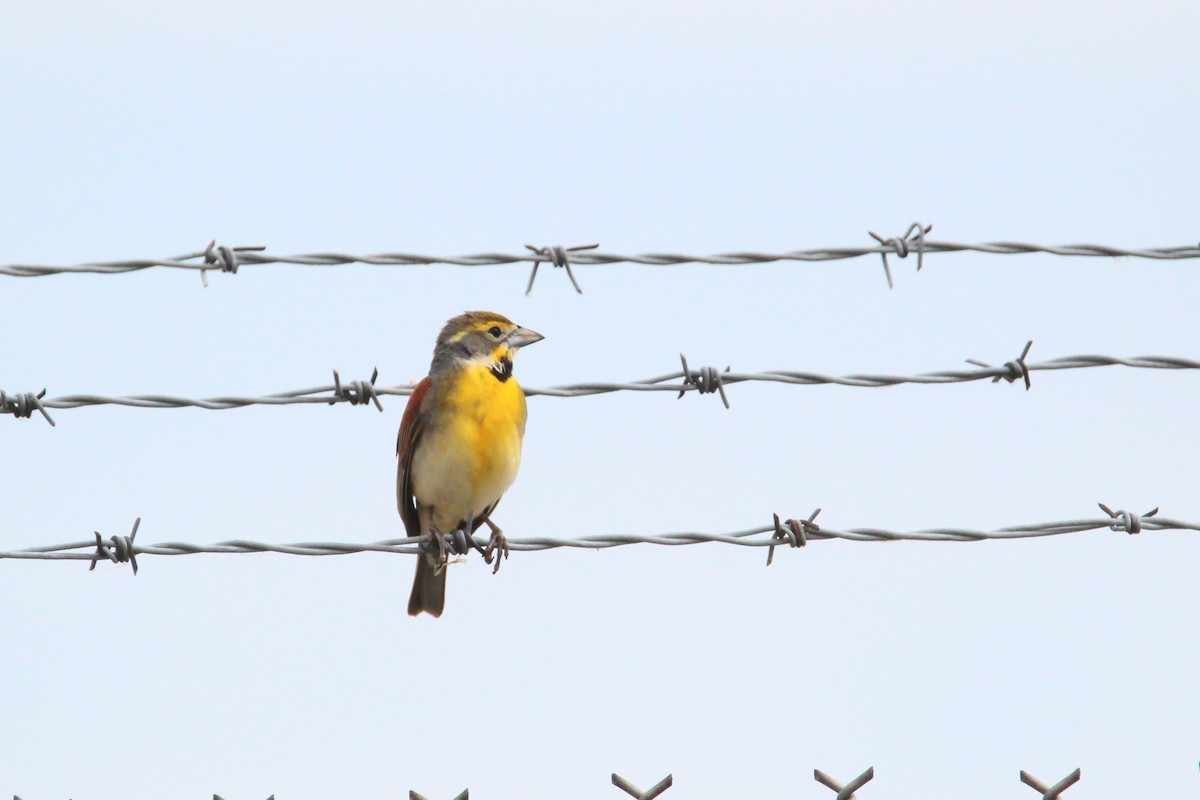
(460, 445)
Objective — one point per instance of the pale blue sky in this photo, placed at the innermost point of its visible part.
(148, 129)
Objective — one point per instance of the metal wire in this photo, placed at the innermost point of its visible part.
(412, 795)
(649, 794)
(230, 259)
(703, 380)
(1050, 792)
(843, 792)
(122, 549)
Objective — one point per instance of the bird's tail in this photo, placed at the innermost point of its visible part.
(429, 588)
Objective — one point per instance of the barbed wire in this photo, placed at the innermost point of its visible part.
(781, 533)
(230, 259)
(651, 793)
(845, 792)
(1050, 792)
(704, 380)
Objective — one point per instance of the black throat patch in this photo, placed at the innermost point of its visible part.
(502, 369)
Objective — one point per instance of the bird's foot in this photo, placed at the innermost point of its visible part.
(470, 538)
(439, 550)
(497, 546)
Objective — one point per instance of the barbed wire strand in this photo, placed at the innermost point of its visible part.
(845, 792)
(792, 533)
(230, 259)
(704, 380)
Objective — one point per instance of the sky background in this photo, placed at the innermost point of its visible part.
(145, 130)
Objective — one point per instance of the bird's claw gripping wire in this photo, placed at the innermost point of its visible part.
(497, 545)
(122, 550)
(1126, 520)
(355, 392)
(792, 532)
(23, 404)
(559, 256)
(223, 258)
(706, 380)
(899, 245)
(1017, 368)
(439, 548)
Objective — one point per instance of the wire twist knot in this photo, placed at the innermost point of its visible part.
(706, 380)
(118, 549)
(356, 392)
(792, 532)
(899, 244)
(1017, 369)
(23, 404)
(559, 257)
(460, 540)
(1126, 520)
(222, 258)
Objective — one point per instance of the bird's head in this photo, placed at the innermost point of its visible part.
(482, 337)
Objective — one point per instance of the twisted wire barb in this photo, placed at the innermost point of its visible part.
(1050, 792)
(703, 380)
(23, 404)
(844, 792)
(792, 532)
(356, 392)
(1016, 369)
(120, 549)
(899, 245)
(633, 791)
(463, 795)
(123, 549)
(229, 259)
(1125, 520)
(226, 259)
(559, 256)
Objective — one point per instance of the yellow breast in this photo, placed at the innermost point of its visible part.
(470, 451)
(489, 417)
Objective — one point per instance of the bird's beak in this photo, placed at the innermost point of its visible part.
(523, 336)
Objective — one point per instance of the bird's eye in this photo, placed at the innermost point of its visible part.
(494, 331)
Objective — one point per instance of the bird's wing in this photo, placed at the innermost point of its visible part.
(406, 444)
